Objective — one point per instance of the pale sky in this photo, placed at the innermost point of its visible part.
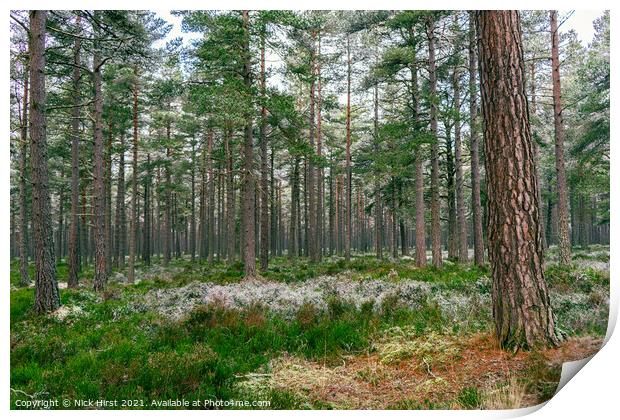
(580, 21)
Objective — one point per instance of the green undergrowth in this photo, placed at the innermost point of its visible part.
(107, 352)
(101, 348)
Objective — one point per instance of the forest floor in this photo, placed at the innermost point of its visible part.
(363, 334)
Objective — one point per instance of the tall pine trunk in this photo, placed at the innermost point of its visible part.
(319, 152)
(377, 186)
(536, 149)
(264, 166)
(47, 297)
(474, 148)
(24, 276)
(435, 216)
(134, 184)
(453, 234)
(248, 199)
(521, 307)
(230, 198)
(348, 224)
(458, 157)
(192, 222)
(211, 199)
(120, 234)
(73, 257)
(311, 175)
(99, 189)
(563, 228)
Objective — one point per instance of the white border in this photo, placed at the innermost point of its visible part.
(592, 394)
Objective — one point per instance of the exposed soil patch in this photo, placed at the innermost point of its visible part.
(366, 381)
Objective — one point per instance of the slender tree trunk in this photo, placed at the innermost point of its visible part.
(332, 213)
(273, 203)
(536, 149)
(378, 203)
(84, 228)
(310, 174)
(147, 231)
(293, 250)
(202, 231)
(347, 239)
(420, 222)
(319, 152)
(99, 179)
(264, 166)
(230, 198)
(134, 185)
(192, 228)
(563, 228)
(453, 233)
(521, 307)
(394, 220)
(168, 199)
(248, 164)
(435, 217)
(211, 199)
(474, 148)
(108, 200)
(458, 155)
(24, 276)
(47, 298)
(120, 206)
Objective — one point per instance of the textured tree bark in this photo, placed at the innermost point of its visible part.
(435, 216)
(264, 166)
(563, 228)
(249, 255)
(73, 258)
(521, 308)
(99, 212)
(134, 185)
(474, 148)
(24, 276)
(47, 298)
(347, 238)
(458, 157)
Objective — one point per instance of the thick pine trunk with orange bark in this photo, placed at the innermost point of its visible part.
(521, 308)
